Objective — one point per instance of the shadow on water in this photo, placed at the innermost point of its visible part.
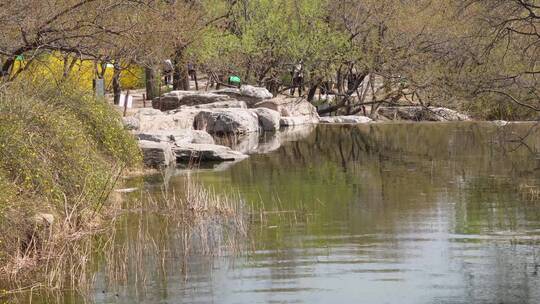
(390, 213)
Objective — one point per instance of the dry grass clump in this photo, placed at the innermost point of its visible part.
(163, 231)
(133, 240)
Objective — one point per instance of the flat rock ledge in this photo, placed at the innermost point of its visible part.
(166, 148)
(206, 152)
(352, 119)
(419, 113)
(178, 137)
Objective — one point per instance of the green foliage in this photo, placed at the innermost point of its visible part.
(99, 120)
(269, 37)
(60, 152)
(61, 146)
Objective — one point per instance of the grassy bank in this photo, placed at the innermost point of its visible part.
(61, 151)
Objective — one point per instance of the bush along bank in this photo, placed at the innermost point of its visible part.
(61, 151)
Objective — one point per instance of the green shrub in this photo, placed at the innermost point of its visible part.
(99, 120)
(60, 151)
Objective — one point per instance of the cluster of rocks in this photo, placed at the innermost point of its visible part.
(182, 124)
(420, 113)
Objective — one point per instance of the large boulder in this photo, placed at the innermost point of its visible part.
(156, 122)
(156, 154)
(294, 111)
(151, 120)
(269, 120)
(226, 121)
(175, 99)
(351, 119)
(184, 118)
(419, 113)
(205, 152)
(249, 94)
(255, 92)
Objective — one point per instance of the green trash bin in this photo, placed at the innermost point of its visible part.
(235, 80)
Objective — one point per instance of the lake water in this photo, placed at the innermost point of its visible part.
(384, 213)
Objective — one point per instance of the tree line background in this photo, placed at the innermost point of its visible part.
(480, 56)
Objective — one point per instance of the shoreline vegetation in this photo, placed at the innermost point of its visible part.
(62, 152)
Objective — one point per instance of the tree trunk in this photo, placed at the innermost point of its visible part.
(180, 74)
(312, 91)
(339, 81)
(117, 89)
(152, 84)
(6, 69)
(196, 81)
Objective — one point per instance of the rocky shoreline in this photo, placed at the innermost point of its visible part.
(227, 125)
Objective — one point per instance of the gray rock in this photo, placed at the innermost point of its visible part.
(175, 99)
(156, 136)
(147, 112)
(177, 137)
(297, 121)
(288, 106)
(268, 119)
(156, 154)
(156, 122)
(351, 119)
(419, 113)
(185, 118)
(173, 120)
(234, 104)
(226, 121)
(294, 111)
(255, 92)
(131, 123)
(202, 137)
(249, 94)
(205, 152)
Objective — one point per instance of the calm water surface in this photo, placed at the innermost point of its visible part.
(390, 213)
